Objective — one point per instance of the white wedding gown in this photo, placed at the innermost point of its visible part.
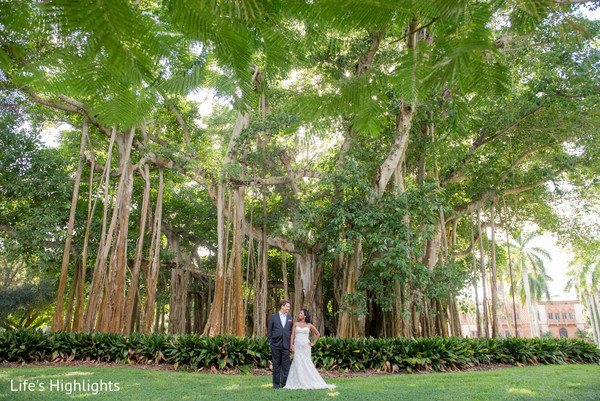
(303, 374)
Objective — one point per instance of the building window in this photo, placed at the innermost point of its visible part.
(550, 316)
(571, 316)
(563, 332)
(564, 315)
(518, 317)
(557, 316)
(507, 334)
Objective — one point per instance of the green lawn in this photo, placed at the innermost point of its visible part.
(567, 382)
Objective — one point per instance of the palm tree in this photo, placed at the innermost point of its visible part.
(532, 279)
(584, 278)
(584, 274)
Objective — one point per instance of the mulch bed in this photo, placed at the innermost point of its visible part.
(255, 372)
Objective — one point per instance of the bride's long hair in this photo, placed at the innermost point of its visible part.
(307, 318)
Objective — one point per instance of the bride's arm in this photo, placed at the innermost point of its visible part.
(292, 337)
(317, 335)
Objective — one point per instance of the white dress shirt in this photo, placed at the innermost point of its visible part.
(282, 317)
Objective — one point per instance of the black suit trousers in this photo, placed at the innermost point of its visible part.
(281, 365)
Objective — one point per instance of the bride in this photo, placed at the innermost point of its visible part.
(303, 374)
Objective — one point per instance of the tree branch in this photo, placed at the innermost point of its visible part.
(521, 158)
(416, 30)
(55, 105)
(365, 62)
(480, 200)
(506, 50)
(562, 94)
(182, 123)
(481, 141)
(573, 1)
(523, 188)
(258, 181)
(285, 159)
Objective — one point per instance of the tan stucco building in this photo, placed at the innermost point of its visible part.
(562, 318)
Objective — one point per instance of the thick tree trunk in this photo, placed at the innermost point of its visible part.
(159, 319)
(260, 311)
(198, 313)
(214, 323)
(431, 254)
(337, 277)
(238, 326)
(226, 308)
(284, 273)
(118, 267)
(99, 290)
(178, 290)
(68, 323)
(456, 329)
(99, 274)
(249, 261)
(510, 272)
(486, 326)
(441, 318)
(178, 301)
(189, 306)
(348, 325)
(113, 311)
(475, 291)
(494, 283)
(153, 260)
(506, 312)
(79, 321)
(136, 323)
(221, 318)
(401, 315)
(397, 151)
(57, 319)
(308, 287)
(426, 325)
(133, 293)
(401, 312)
(79, 300)
(415, 321)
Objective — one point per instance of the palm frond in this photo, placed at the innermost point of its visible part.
(542, 252)
(409, 78)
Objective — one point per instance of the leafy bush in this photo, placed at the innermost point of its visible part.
(227, 352)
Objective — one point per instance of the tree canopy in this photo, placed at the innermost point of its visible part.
(347, 148)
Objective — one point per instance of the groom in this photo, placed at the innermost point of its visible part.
(279, 333)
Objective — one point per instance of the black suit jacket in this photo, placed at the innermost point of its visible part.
(279, 336)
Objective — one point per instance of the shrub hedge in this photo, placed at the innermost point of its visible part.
(226, 352)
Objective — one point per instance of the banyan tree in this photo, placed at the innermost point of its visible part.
(356, 156)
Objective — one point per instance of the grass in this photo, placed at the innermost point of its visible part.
(556, 382)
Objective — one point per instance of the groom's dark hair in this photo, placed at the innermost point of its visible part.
(283, 302)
